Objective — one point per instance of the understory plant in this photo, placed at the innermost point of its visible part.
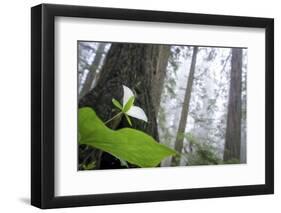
(127, 144)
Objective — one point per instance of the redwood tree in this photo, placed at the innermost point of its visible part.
(233, 127)
(132, 65)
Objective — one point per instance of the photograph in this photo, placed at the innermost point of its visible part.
(169, 105)
(160, 105)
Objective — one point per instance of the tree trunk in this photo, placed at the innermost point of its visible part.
(93, 70)
(132, 65)
(185, 109)
(159, 75)
(233, 127)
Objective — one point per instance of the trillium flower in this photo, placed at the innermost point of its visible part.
(128, 108)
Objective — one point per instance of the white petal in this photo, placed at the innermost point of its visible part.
(127, 94)
(137, 112)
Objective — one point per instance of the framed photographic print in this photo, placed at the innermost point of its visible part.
(140, 106)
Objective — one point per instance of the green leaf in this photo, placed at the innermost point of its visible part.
(90, 166)
(128, 144)
(129, 104)
(128, 119)
(117, 104)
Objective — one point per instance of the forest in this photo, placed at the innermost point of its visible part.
(158, 105)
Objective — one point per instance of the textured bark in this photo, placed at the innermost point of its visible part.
(132, 65)
(233, 128)
(185, 109)
(243, 150)
(157, 80)
(93, 70)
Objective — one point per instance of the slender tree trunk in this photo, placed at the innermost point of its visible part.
(185, 109)
(132, 65)
(233, 127)
(93, 70)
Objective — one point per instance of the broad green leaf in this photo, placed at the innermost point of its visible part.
(128, 119)
(129, 104)
(117, 104)
(128, 144)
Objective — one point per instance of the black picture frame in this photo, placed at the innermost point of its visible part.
(43, 102)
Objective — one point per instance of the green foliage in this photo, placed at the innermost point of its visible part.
(190, 137)
(117, 104)
(206, 156)
(89, 166)
(232, 161)
(127, 144)
(203, 154)
(129, 104)
(128, 119)
(191, 140)
(124, 109)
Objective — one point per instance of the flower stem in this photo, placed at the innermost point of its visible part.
(115, 116)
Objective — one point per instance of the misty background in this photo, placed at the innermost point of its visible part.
(196, 106)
